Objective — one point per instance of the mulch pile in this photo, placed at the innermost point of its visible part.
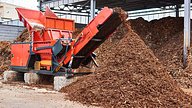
(129, 75)
(157, 32)
(23, 37)
(5, 50)
(5, 55)
(165, 38)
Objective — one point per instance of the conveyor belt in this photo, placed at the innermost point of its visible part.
(105, 30)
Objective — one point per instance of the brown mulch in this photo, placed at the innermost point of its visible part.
(76, 32)
(165, 38)
(23, 37)
(130, 76)
(5, 56)
(157, 32)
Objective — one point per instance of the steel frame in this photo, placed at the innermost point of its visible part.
(56, 3)
(187, 32)
(68, 7)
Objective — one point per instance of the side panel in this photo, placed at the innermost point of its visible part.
(59, 23)
(20, 54)
(16, 52)
(50, 23)
(26, 53)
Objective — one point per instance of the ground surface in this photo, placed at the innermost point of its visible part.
(19, 95)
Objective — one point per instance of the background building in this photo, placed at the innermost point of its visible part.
(9, 27)
(7, 12)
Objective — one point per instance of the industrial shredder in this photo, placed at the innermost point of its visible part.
(52, 49)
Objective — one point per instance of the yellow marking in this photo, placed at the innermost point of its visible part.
(46, 62)
(57, 69)
(37, 65)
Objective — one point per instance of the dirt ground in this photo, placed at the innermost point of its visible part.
(22, 96)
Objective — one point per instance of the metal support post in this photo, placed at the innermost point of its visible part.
(187, 24)
(92, 9)
(177, 10)
(40, 5)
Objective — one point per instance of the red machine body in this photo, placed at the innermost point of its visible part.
(52, 48)
(21, 54)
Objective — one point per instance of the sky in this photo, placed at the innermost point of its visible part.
(32, 4)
